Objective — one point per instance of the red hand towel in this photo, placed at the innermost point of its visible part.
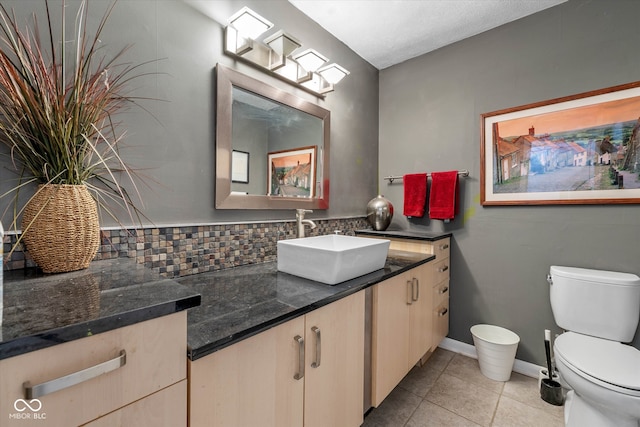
(415, 194)
(443, 198)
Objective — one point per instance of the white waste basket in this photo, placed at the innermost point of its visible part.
(496, 348)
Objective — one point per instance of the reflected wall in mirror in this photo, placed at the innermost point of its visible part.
(286, 139)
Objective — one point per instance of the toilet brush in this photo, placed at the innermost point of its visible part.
(550, 390)
(547, 349)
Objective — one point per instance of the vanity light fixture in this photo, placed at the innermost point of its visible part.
(333, 73)
(249, 23)
(309, 60)
(247, 26)
(276, 54)
(282, 45)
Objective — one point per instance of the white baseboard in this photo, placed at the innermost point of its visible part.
(519, 366)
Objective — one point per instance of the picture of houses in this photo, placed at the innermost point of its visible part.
(586, 148)
(292, 173)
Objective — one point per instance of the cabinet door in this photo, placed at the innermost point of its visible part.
(390, 334)
(420, 313)
(250, 383)
(334, 379)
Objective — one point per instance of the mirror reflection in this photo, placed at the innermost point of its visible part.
(271, 147)
(275, 148)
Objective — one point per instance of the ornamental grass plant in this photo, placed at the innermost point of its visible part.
(59, 98)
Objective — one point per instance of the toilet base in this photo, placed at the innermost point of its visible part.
(580, 413)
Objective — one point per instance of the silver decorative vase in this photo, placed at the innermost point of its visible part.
(379, 213)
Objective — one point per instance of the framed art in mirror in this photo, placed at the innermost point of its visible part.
(292, 172)
(240, 167)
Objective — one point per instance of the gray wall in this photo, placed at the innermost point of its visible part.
(174, 145)
(430, 111)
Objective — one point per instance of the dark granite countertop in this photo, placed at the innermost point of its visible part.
(225, 306)
(243, 301)
(406, 234)
(42, 310)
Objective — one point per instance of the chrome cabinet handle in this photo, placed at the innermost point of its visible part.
(443, 269)
(415, 290)
(444, 290)
(316, 363)
(409, 292)
(443, 312)
(443, 247)
(39, 390)
(300, 374)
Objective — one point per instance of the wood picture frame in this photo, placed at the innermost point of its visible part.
(579, 149)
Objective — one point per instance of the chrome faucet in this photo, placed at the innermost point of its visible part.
(300, 221)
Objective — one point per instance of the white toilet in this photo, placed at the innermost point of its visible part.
(600, 311)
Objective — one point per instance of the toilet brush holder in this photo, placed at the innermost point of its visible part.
(551, 392)
(543, 373)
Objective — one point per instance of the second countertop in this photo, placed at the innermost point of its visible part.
(241, 302)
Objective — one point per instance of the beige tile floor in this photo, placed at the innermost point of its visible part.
(449, 390)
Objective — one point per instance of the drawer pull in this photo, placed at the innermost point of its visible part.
(444, 290)
(300, 374)
(445, 246)
(443, 312)
(443, 269)
(39, 390)
(415, 290)
(316, 363)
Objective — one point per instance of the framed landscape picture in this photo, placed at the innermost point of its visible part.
(292, 173)
(581, 149)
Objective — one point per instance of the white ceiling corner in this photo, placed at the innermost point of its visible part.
(387, 32)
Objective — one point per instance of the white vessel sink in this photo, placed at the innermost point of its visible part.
(333, 258)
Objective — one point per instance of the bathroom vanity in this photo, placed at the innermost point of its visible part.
(256, 326)
(243, 346)
(103, 346)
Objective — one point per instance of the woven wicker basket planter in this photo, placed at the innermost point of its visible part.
(61, 228)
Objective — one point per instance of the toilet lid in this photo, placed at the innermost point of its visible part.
(608, 361)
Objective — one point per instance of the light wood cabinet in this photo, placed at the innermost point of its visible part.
(440, 313)
(166, 408)
(401, 327)
(441, 270)
(441, 273)
(154, 361)
(250, 383)
(308, 371)
(406, 329)
(420, 317)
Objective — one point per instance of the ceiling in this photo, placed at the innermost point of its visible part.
(387, 32)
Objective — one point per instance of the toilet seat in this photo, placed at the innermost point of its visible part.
(610, 364)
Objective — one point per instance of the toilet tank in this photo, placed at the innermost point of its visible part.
(602, 304)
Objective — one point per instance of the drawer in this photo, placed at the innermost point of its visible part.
(165, 408)
(442, 248)
(419, 246)
(155, 359)
(440, 293)
(439, 248)
(440, 323)
(441, 270)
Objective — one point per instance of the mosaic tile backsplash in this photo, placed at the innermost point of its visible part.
(181, 251)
